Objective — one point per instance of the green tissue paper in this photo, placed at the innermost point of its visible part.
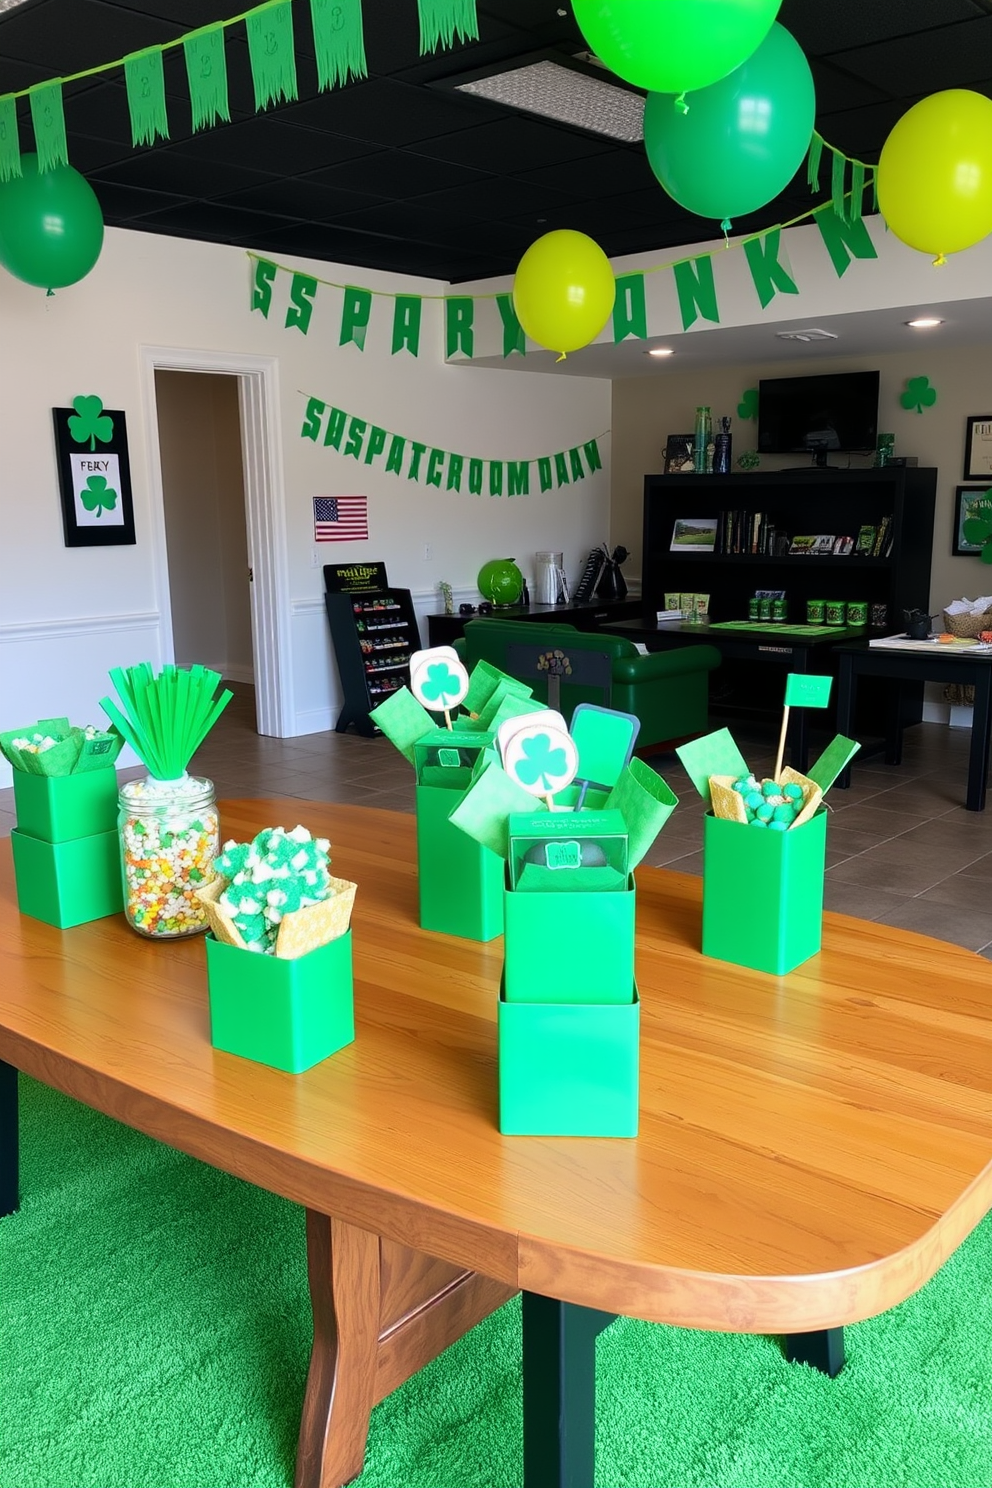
(403, 721)
(485, 809)
(713, 754)
(645, 802)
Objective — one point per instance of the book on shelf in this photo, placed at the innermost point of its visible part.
(817, 543)
(865, 544)
(883, 538)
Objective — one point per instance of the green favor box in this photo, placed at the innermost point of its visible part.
(290, 1014)
(67, 883)
(569, 947)
(568, 1069)
(461, 882)
(763, 893)
(57, 808)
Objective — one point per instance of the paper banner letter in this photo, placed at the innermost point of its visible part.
(696, 291)
(454, 481)
(591, 452)
(495, 477)
(261, 294)
(807, 690)
(575, 464)
(376, 443)
(144, 78)
(843, 240)
(459, 336)
(206, 73)
(544, 472)
(10, 150)
(561, 469)
(48, 122)
(302, 294)
(355, 313)
(518, 477)
(513, 331)
(416, 451)
(435, 461)
(356, 433)
(394, 460)
(335, 428)
(769, 273)
(475, 473)
(312, 420)
(339, 42)
(406, 324)
(630, 316)
(271, 55)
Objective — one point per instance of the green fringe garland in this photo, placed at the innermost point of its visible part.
(442, 20)
(48, 118)
(813, 161)
(206, 69)
(10, 152)
(339, 42)
(144, 77)
(271, 53)
(857, 191)
(838, 173)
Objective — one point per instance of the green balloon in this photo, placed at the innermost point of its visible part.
(742, 140)
(500, 581)
(668, 46)
(51, 226)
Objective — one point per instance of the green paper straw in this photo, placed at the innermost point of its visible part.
(165, 718)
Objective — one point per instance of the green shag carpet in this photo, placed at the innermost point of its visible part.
(154, 1333)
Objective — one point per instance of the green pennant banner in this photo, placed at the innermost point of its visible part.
(48, 119)
(459, 336)
(844, 240)
(768, 275)
(418, 461)
(442, 20)
(10, 150)
(630, 315)
(838, 174)
(513, 332)
(144, 77)
(271, 53)
(301, 298)
(339, 42)
(355, 315)
(696, 291)
(406, 324)
(206, 71)
(261, 290)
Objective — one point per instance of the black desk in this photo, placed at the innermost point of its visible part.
(766, 643)
(588, 614)
(938, 664)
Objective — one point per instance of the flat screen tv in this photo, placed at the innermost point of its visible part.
(818, 415)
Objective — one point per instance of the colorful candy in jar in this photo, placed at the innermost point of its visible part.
(170, 834)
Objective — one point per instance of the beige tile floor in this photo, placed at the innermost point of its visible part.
(901, 848)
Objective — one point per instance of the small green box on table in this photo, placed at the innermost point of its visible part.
(68, 883)
(460, 882)
(57, 808)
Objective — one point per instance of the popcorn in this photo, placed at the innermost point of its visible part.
(276, 875)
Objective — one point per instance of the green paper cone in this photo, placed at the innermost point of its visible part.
(271, 54)
(442, 20)
(145, 80)
(645, 802)
(48, 118)
(206, 70)
(10, 152)
(339, 42)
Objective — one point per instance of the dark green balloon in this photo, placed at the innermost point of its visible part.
(51, 226)
(743, 138)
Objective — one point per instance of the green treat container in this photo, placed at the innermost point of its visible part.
(763, 893)
(568, 1069)
(289, 1014)
(835, 611)
(57, 808)
(857, 612)
(569, 947)
(815, 610)
(460, 881)
(68, 883)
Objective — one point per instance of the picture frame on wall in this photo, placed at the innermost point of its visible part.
(969, 501)
(978, 447)
(94, 475)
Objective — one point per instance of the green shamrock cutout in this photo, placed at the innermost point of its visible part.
(97, 495)
(919, 394)
(977, 529)
(747, 408)
(90, 422)
(441, 684)
(541, 762)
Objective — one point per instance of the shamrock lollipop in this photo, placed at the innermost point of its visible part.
(538, 753)
(438, 679)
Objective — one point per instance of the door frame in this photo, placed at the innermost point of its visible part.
(265, 518)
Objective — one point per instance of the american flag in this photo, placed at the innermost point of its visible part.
(340, 518)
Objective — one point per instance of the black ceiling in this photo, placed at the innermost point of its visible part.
(392, 173)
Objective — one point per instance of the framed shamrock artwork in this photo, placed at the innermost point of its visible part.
(94, 474)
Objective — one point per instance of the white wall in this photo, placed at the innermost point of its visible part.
(66, 615)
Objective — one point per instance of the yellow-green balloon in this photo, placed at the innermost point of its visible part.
(668, 46)
(935, 173)
(563, 290)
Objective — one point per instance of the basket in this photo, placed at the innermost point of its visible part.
(967, 627)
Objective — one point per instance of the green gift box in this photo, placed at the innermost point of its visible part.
(56, 808)
(569, 947)
(568, 1069)
(67, 883)
(460, 881)
(763, 893)
(287, 1013)
(574, 851)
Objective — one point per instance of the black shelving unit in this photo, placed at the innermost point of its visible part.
(794, 502)
(375, 633)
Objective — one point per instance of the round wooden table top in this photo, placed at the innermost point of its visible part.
(812, 1147)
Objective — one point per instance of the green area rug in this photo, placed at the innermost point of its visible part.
(154, 1333)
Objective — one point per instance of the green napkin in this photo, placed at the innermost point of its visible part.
(536, 879)
(713, 754)
(73, 754)
(485, 809)
(484, 681)
(403, 721)
(507, 687)
(645, 802)
(837, 755)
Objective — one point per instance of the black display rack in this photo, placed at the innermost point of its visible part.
(375, 633)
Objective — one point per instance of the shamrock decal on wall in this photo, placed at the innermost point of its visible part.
(90, 422)
(96, 495)
(747, 408)
(540, 761)
(919, 394)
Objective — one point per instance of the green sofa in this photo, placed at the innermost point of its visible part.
(667, 691)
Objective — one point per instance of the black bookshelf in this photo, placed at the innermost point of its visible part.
(375, 633)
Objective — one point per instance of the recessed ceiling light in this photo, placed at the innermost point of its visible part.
(659, 351)
(924, 323)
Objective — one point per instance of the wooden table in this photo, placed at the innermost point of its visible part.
(937, 664)
(812, 1147)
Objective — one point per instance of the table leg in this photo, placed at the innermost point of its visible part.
(847, 683)
(823, 1349)
(894, 726)
(559, 1368)
(9, 1139)
(981, 725)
